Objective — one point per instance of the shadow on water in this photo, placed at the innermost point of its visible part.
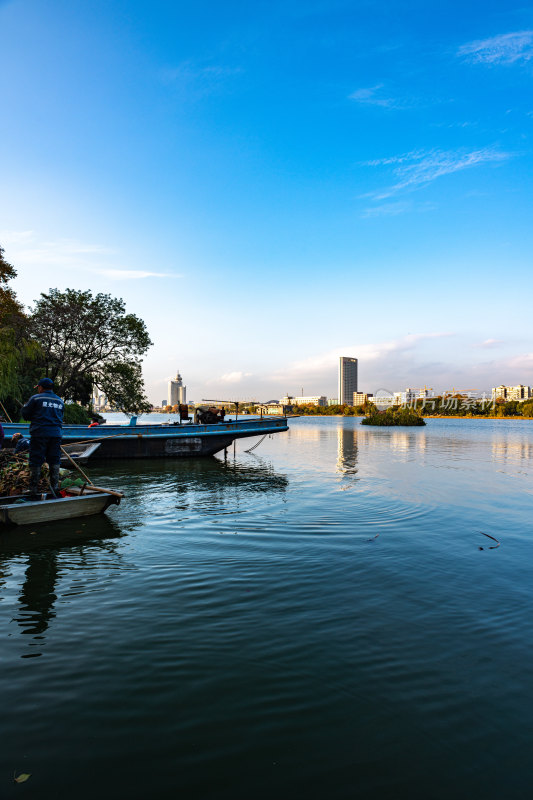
(45, 552)
(250, 474)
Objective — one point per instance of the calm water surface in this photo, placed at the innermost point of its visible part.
(321, 618)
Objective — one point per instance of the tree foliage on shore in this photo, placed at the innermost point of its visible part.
(88, 340)
(448, 406)
(19, 351)
(79, 340)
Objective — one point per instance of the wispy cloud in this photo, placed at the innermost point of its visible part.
(507, 48)
(395, 209)
(25, 250)
(378, 96)
(419, 168)
(132, 274)
(232, 377)
(489, 343)
(198, 79)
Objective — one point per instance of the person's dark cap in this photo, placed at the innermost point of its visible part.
(46, 383)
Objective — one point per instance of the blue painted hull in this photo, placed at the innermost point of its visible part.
(161, 441)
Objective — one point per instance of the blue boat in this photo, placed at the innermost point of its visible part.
(160, 441)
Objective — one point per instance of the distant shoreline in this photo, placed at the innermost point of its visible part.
(429, 416)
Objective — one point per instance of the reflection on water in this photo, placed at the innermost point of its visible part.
(347, 450)
(516, 451)
(38, 595)
(324, 617)
(41, 556)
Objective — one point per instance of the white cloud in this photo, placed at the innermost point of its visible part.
(507, 48)
(24, 249)
(489, 343)
(373, 96)
(198, 80)
(317, 367)
(233, 377)
(394, 209)
(418, 168)
(520, 364)
(132, 274)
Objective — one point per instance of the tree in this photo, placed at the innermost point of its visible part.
(122, 383)
(18, 351)
(527, 408)
(89, 341)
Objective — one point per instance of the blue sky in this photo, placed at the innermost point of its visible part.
(270, 185)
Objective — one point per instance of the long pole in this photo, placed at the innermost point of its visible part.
(5, 412)
(89, 481)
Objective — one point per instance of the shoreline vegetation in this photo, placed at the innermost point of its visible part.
(393, 416)
(448, 407)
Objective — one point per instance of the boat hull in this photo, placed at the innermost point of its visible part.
(162, 441)
(34, 512)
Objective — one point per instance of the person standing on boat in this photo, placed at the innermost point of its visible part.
(45, 412)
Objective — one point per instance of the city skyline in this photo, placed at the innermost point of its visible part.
(356, 179)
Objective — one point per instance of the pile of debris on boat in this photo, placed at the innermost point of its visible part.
(15, 474)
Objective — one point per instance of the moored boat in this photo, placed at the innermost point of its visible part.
(79, 452)
(23, 510)
(162, 440)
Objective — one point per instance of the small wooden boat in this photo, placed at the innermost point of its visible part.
(79, 452)
(23, 510)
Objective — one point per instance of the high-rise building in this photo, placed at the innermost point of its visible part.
(347, 379)
(177, 392)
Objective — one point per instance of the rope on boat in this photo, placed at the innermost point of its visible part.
(256, 444)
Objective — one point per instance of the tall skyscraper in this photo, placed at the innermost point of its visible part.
(177, 392)
(347, 379)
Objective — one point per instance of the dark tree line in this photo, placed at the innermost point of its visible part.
(79, 340)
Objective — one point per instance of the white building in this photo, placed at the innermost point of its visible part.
(410, 396)
(177, 392)
(360, 398)
(508, 393)
(317, 400)
(273, 409)
(99, 400)
(347, 379)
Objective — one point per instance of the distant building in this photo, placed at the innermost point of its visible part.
(360, 398)
(274, 409)
(99, 400)
(508, 393)
(347, 379)
(163, 403)
(177, 392)
(410, 396)
(333, 401)
(317, 400)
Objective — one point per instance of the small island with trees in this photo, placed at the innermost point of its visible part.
(392, 416)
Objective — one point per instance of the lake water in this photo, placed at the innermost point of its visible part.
(321, 618)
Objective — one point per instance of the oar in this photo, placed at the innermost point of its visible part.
(89, 481)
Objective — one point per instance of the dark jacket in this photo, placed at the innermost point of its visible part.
(22, 445)
(45, 412)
